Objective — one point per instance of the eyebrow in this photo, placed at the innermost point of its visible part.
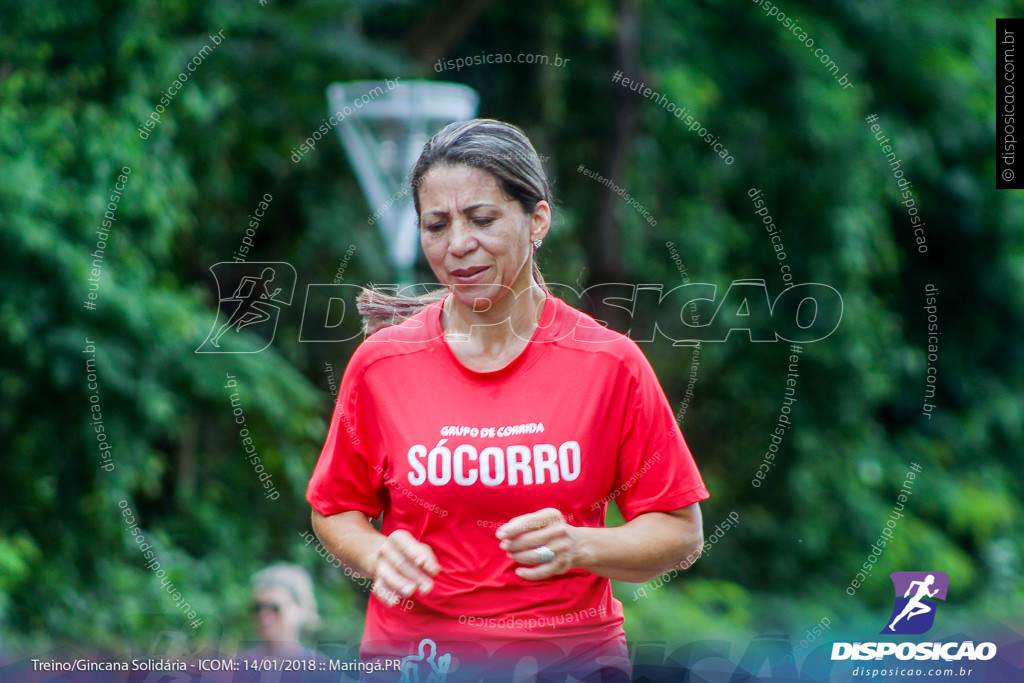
(471, 207)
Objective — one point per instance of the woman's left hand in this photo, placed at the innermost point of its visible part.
(542, 541)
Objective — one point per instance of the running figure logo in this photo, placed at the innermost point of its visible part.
(255, 303)
(914, 612)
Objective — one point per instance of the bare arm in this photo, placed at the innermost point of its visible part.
(638, 551)
(399, 564)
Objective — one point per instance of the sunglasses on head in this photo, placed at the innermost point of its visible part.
(261, 606)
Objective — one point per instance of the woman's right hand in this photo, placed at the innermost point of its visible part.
(403, 566)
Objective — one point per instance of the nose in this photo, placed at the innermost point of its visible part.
(461, 239)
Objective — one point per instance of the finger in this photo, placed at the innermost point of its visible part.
(548, 536)
(385, 587)
(393, 584)
(528, 522)
(405, 566)
(415, 561)
(421, 554)
(541, 571)
(530, 556)
(388, 596)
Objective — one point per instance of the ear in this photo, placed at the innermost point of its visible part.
(540, 221)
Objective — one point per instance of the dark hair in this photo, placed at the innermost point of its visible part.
(501, 149)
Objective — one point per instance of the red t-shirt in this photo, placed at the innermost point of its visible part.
(449, 454)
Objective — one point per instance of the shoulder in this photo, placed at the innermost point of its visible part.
(578, 331)
(413, 335)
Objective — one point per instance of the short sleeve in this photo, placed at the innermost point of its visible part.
(655, 470)
(346, 476)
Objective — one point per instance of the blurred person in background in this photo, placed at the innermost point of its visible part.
(284, 608)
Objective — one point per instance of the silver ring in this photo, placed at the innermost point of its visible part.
(545, 553)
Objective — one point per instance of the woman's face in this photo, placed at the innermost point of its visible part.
(478, 241)
(278, 615)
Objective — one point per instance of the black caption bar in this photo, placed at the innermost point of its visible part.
(1009, 163)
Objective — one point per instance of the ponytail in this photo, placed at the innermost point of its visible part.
(380, 309)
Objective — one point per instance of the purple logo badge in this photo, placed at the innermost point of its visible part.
(916, 593)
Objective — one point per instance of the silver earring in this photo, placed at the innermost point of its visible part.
(537, 243)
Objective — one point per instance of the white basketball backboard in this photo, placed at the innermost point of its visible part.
(383, 132)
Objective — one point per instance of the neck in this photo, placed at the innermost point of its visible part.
(512, 318)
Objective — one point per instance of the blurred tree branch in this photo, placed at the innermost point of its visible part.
(606, 251)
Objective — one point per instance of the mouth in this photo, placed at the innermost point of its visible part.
(468, 275)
